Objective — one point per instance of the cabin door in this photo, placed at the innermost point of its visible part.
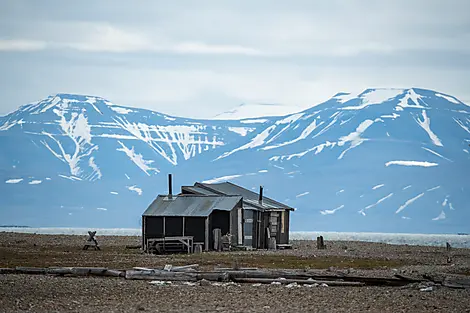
(248, 228)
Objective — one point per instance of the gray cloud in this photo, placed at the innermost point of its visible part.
(213, 54)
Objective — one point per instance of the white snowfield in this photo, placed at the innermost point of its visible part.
(412, 163)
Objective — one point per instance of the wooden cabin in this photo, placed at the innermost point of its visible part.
(189, 220)
(250, 219)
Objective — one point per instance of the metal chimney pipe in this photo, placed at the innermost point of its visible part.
(170, 187)
(260, 195)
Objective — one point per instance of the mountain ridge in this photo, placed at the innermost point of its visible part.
(324, 160)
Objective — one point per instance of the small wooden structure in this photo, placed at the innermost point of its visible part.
(91, 241)
(182, 222)
(244, 218)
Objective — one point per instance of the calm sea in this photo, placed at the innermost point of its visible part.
(462, 241)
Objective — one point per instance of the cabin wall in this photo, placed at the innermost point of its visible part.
(173, 226)
(194, 226)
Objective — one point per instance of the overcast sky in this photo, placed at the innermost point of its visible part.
(199, 58)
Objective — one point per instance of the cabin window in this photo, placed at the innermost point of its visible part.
(283, 222)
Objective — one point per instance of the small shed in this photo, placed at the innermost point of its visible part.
(192, 215)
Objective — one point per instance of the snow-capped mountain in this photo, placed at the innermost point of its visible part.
(390, 160)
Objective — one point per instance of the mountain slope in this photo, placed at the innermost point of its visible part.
(383, 160)
(394, 160)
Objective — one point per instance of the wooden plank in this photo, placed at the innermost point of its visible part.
(206, 241)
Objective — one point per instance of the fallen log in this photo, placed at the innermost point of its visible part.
(7, 270)
(30, 270)
(371, 281)
(298, 281)
(160, 275)
(60, 271)
(176, 276)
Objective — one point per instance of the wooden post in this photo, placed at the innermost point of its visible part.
(183, 226)
(206, 243)
(320, 243)
(164, 230)
(144, 248)
(217, 234)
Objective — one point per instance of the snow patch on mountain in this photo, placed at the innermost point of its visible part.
(355, 137)
(378, 186)
(14, 181)
(135, 189)
(242, 131)
(255, 142)
(426, 125)
(408, 202)
(433, 188)
(221, 179)
(138, 160)
(302, 194)
(305, 133)
(379, 201)
(448, 98)
(120, 110)
(374, 96)
(412, 163)
(441, 216)
(437, 154)
(329, 212)
(412, 96)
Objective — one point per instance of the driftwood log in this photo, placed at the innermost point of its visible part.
(176, 276)
(298, 281)
(65, 271)
(283, 276)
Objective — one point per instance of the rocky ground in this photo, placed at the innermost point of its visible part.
(41, 293)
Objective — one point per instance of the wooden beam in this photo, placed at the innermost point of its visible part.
(206, 228)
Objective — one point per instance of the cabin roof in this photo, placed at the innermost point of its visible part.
(190, 205)
(249, 197)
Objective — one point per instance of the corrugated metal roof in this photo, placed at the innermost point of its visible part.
(249, 196)
(190, 205)
(199, 191)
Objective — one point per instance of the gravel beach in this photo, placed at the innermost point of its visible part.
(42, 293)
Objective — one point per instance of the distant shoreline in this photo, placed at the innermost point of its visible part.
(456, 240)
